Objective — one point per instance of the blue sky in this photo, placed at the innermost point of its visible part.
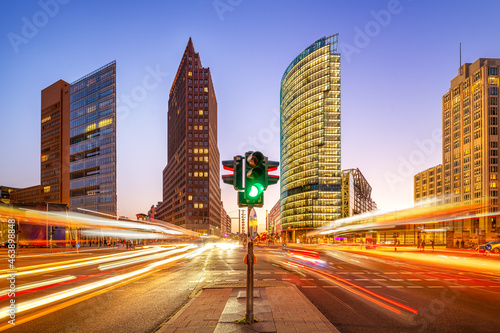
(398, 58)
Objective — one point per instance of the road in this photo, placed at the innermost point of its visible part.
(358, 291)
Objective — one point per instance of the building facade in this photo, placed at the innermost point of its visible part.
(93, 141)
(55, 131)
(469, 174)
(470, 145)
(191, 188)
(356, 193)
(310, 139)
(428, 186)
(274, 220)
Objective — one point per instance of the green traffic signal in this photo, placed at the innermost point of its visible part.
(255, 178)
(255, 190)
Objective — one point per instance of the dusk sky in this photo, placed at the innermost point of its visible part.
(397, 60)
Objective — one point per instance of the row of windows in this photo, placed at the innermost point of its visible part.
(198, 174)
(197, 82)
(196, 104)
(205, 198)
(201, 89)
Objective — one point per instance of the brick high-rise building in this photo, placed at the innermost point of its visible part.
(191, 190)
(54, 174)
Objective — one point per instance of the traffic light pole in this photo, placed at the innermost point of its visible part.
(249, 311)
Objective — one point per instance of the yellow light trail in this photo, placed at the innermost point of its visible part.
(44, 300)
(51, 267)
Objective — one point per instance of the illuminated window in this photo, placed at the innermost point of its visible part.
(195, 205)
(206, 158)
(190, 197)
(44, 158)
(196, 151)
(493, 184)
(190, 73)
(196, 174)
(201, 205)
(90, 127)
(205, 89)
(206, 174)
(206, 150)
(196, 159)
(105, 122)
(200, 112)
(46, 119)
(46, 189)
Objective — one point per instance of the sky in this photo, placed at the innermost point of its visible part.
(397, 60)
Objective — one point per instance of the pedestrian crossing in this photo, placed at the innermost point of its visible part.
(367, 279)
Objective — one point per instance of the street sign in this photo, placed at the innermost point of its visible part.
(488, 247)
(78, 245)
(252, 224)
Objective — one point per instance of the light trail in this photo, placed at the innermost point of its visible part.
(51, 267)
(44, 300)
(345, 284)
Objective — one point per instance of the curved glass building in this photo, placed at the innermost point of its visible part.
(310, 140)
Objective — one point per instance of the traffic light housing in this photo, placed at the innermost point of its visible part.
(250, 177)
(255, 178)
(272, 166)
(236, 177)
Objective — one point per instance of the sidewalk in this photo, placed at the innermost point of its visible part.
(278, 307)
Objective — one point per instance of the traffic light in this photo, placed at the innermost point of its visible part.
(272, 166)
(236, 167)
(255, 178)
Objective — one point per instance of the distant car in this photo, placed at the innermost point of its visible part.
(4, 244)
(493, 246)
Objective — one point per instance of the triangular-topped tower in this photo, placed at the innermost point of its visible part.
(191, 190)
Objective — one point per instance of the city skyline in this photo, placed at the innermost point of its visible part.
(382, 74)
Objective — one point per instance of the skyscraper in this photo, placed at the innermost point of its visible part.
(310, 139)
(93, 141)
(191, 190)
(54, 174)
(470, 144)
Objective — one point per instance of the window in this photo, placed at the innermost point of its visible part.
(492, 71)
(493, 91)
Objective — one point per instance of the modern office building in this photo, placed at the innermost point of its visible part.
(55, 132)
(191, 188)
(5, 194)
(310, 139)
(93, 141)
(356, 193)
(470, 152)
(470, 144)
(428, 186)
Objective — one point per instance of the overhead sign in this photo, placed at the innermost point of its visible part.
(252, 224)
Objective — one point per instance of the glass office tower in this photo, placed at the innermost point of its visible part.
(93, 141)
(310, 140)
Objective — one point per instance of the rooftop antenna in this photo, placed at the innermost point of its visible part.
(460, 59)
